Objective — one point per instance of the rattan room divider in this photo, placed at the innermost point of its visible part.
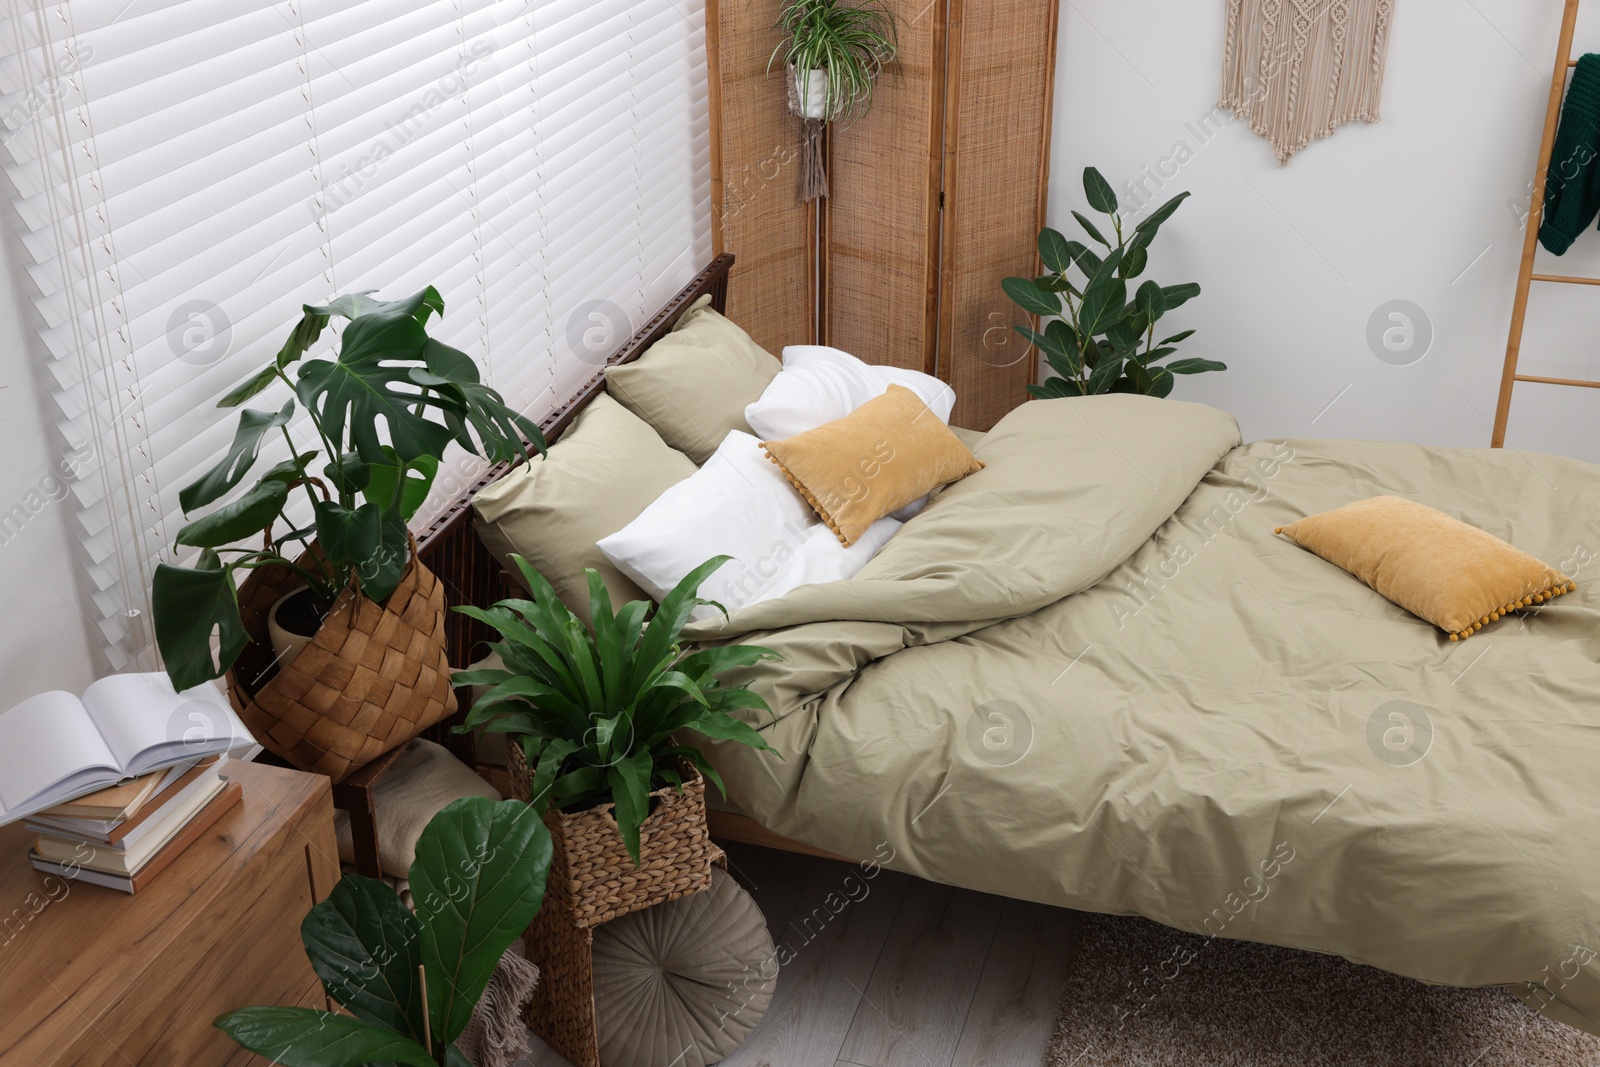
(934, 197)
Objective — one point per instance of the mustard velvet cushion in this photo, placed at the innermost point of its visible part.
(1455, 576)
(877, 459)
(693, 385)
(599, 476)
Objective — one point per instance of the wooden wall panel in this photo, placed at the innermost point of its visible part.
(755, 178)
(881, 276)
(997, 151)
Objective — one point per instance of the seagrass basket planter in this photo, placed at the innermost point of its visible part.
(374, 676)
(593, 880)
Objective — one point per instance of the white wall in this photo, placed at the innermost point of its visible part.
(44, 635)
(1423, 206)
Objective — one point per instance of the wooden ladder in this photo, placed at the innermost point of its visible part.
(1530, 242)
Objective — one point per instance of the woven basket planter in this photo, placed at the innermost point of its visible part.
(593, 880)
(373, 677)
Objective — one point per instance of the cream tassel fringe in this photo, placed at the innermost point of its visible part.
(1296, 70)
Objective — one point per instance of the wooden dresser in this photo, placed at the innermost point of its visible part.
(92, 976)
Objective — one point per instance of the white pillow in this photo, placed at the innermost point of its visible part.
(819, 385)
(738, 504)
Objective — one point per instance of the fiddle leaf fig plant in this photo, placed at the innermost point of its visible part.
(382, 413)
(597, 709)
(410, 980)
(1093, 336)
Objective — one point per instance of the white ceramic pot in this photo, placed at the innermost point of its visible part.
(287, 645)
(811, 89)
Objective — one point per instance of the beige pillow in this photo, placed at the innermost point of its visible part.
(693, 384)
(599, 475)
(877, 459)
(1455, 576)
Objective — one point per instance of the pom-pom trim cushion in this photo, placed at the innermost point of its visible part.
(1453, 575)
(879, 458)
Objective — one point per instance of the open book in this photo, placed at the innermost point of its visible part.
(55, 746)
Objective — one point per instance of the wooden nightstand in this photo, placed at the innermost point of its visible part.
(92, 976)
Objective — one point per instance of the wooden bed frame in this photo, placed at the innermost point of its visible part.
(450, 547)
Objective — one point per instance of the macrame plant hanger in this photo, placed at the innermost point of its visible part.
(809, 102)
(1530, 239)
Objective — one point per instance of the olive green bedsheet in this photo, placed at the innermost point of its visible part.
(1090, 675)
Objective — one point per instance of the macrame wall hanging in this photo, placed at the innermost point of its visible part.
(1296, 70)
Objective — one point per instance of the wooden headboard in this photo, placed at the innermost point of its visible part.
(449, 546)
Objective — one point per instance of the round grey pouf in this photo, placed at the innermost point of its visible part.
(683, 983)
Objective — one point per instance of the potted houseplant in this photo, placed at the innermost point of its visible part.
(1094, 337)
(382, 413)
(832, 53)
(594, 715)
(595, 712)
(409, 981)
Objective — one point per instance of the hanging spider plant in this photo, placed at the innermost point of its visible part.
(849, 44)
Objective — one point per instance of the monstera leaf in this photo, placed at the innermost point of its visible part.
(370, 383)
(189, 604)
(215, 483)
(471, 405)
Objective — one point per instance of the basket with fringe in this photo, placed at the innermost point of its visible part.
(593, 880)
(374, 676)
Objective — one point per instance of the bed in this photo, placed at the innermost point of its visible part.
(1091, 676)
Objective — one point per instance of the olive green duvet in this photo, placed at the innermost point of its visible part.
(1090, 675)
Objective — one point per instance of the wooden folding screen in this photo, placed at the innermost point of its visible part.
(935, 196)
(755, 179)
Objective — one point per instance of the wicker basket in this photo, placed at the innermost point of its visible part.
(373, 677)
(593, 880)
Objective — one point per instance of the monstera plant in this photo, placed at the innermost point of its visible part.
(1093, 336)
(409, 980)
(381, 414)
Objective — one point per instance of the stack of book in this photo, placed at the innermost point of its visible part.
(124, 836)
(119, 781)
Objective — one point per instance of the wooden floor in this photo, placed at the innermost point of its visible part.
(893, 971)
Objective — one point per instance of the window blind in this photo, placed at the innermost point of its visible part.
(187, 173)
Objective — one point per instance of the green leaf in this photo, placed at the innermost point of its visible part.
(189, 604)
(1085, 258)
(1099, 192)
(255, 384)
(1152, 222)
(238, 519)
(1178, 295)
(305, 333)
(384, 477)
(364, 945)
(1030, 297)
(1195, 366)
(1133, 263)
(241, 456)
(1160, 382)
(477, 882)
(1104, 298)
(1053, 251)
(472, 408)
(1089, 228)
(371, 383)
(349, 538)
(629, 780)
(1150, 302)
(1175, 338)
(1105, 373)
(305, 1037)
(349, 474)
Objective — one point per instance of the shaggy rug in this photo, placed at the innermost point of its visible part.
(1143, 995)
